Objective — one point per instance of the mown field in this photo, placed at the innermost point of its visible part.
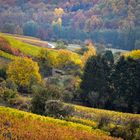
(16, 124)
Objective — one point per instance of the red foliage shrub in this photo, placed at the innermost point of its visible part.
(5, 46)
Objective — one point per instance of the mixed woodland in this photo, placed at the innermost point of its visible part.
(114, 23)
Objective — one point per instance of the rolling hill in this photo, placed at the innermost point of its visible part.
(17, 124)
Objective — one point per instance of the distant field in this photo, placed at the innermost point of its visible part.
(39, 43)
(22, 125)
(94, 114)
(116, 50)
(22, 46)
(25, 48)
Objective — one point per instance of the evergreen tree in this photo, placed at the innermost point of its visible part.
(126, 85)
(95, 83)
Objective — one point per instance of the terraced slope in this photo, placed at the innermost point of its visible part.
(15, 124)
(114, 116)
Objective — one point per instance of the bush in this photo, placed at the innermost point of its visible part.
(56, 108)
(103, 121)
(41, 95)
(67, 96)
(9, 84)
(7, 94)
(3, 73)
(6, 47)
(20, 102)
(130, 131)
(137, 134)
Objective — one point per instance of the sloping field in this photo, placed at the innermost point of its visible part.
(25, 48)
(94, 114)
(16, 124)
(30, 40)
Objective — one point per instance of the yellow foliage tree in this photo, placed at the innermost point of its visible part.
(58, 12)
(135, 54)
(22, 70)
(91, 51)
(59, 22)
(66, 57)
(50, 56)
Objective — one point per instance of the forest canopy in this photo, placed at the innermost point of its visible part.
(110, 22)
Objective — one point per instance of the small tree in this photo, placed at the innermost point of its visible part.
(60, 45)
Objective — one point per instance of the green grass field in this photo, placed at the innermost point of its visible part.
(23, 47)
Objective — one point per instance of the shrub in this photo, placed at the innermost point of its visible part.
(3, 73)
(130, 131)
(20, 102)
(56, 108)
(9, 84)
(41, 95)
(67, 96)
(6, 47)
(137, 134)
(8, 94)
(60, 45)
(103, 121)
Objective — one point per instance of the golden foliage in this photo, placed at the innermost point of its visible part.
(22, 70)
(58, 12)
(134, 54)
(60, 58)
(66, 57)
(59, 22)
(22, 125)
(91, 51)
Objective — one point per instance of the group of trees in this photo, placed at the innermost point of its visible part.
(109, 22)
(22, 76)
(110, 85)
(62, 59)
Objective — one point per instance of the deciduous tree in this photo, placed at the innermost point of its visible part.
(22, 70)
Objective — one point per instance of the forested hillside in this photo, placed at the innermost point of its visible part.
(115, 23)
(49, 81)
